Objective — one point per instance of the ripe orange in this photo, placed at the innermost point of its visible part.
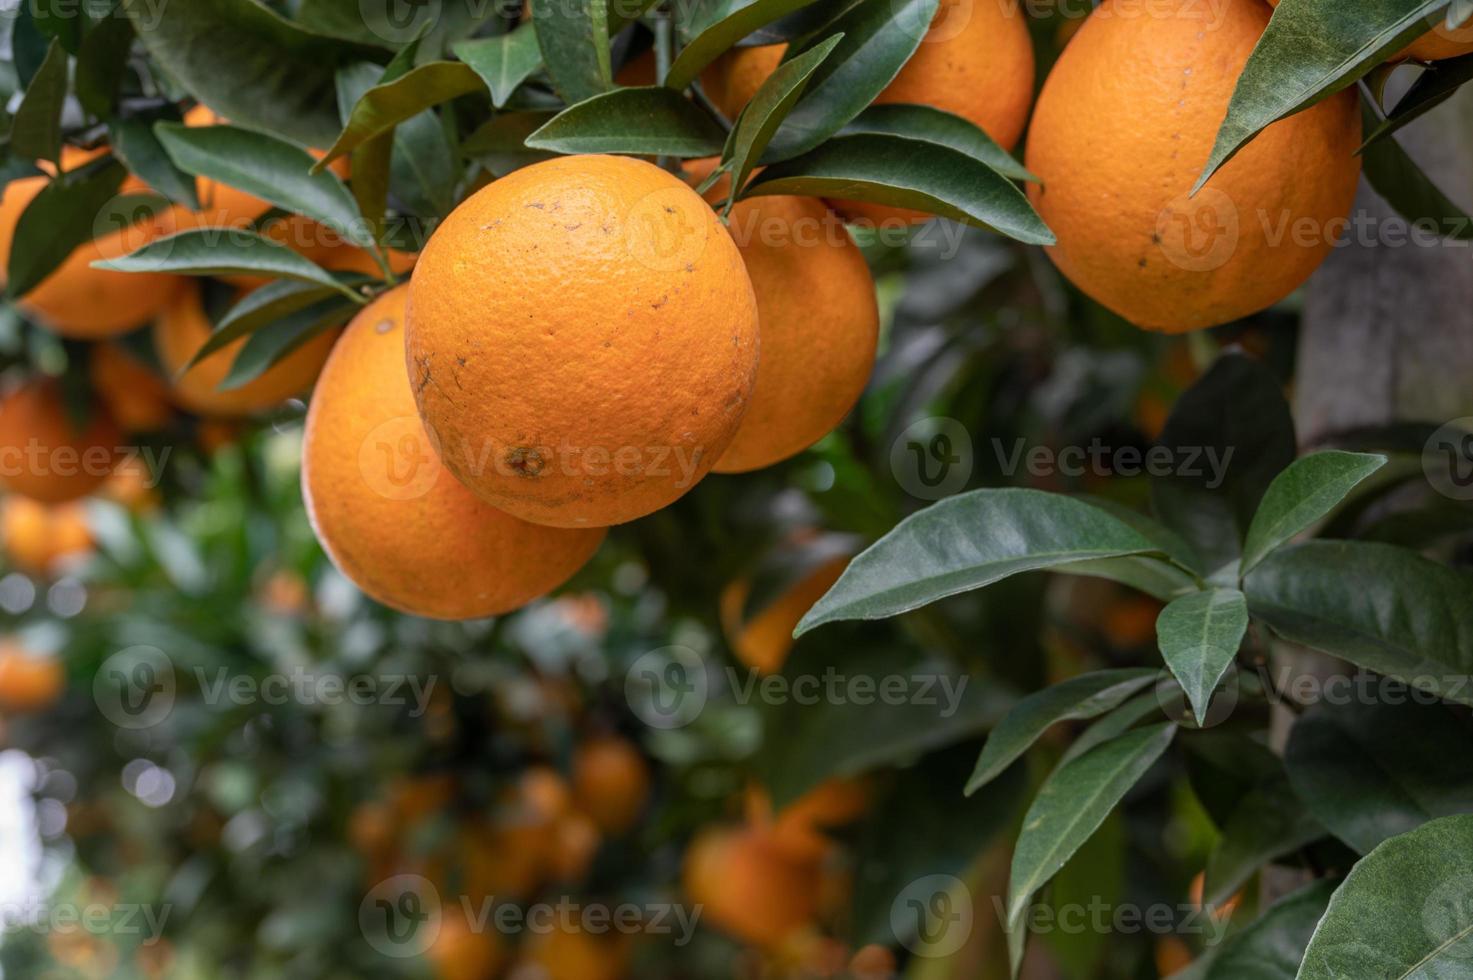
(137, 397)
(132, 485)
(576, 843)
(733, 78)
(610, 349)
(873, 962)
(763, 641)
(799, 828)
(28, 681)
(386, 511)
(611, 783)
(183, 330)
(41, 537)
(570, 952)
(44, 454)
(749, 887)
(465, 951)
(818, 320)
(1438, 43)
(76, 300)
(1124, 126)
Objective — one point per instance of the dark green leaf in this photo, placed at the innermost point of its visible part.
(1381, 607)
(247, 63)
(60, 20)
(504, 62)
(276, 340)
(59, 220)
(1438, 83)
(574, 38)
(1071, 805)
(422, 158)
(879, 38)
(1271, 947)
(647, 120)
(385, 106)
(1199, 635)
(718, 35)
(1370, 768)
(908, 173)
(1113, 724)
(223, 252)
(967, 542)
(136, 144)
(1267, 824)
(101, 64)
(923, 122)
(1301, 495)
(35, 132)
(1085, 696)
(260, 307)
(1230, 435)
(268, 168)
(1405, 910)
(1398, 179)
(501, 144)
(1311, 50)
(769, 106)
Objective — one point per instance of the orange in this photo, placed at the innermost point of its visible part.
(28, 681)
(40, 537)
(137, 397)
(183, 330)
(873, 962)
(1438, 43)
(576, 845)
(76, 300)
(385, 510)
(133, 485)
(763, 641)
(818, 320)
(44, 453)
(639, 70)
(611, 783)
(749, 887)
(582, 340)
(976, 61)
(798, 829)
(1125, 124)
(568, 951)
(733, 78)
(463, 950)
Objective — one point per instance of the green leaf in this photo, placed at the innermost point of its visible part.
(1071, 805)
(1405, 910)
(422, 158)
(1311, 50)
(1271, 947)
(879, 38)
(908, 173)
(59, 20)
(1379, 606)
(35, 132)
(223, 252)
(1267, 824)
(387, 105)
(1301, 495)
(1372, 768)
(574, 38)
(1433, 87)
(102, 63)
(938, 840)
(504, 62)
(769, 106)
(135, 143)
(648, 120)
(1230, 435)
(276, 340)
(1398, 179)
(258, 308)
(1085, 696)
(501, 143)
(1199, 635)
(247, 63)
(718, 35)
(923, 122)
(967, 542)
(59, 220)
(806, 742)
(268, 168)
(1114, 724)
